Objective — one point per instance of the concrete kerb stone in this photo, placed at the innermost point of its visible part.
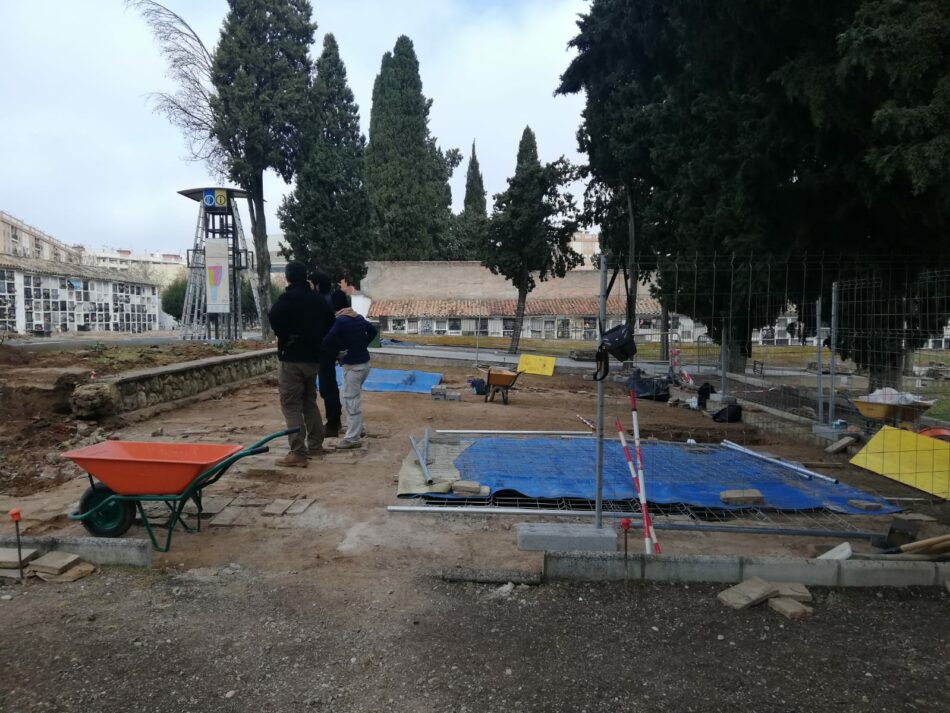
(692, 568)
(609, 566)
(875, 573)
(810, 572)
(97, 550)
(563, 537)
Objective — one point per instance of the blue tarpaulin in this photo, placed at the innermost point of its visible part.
(398, 380)
(674, 473)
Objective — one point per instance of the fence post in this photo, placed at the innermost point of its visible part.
(724, 357)
(599, 503)
(833, 349)
(821, 406)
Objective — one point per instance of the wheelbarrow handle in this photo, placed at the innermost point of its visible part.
(271, 437)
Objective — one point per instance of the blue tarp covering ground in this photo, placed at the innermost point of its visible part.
(398, 380)
(675, 474)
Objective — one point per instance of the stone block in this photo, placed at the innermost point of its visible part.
(566, 537)
(277, 507)
(838, 552)
(841, 444)
(8, 557)
(227, 517)
(749, 496)
(466, 487)
(692, 568)
(943, 574)
(811, 572)
(890, 573)
(868, 505)
(249, 501)
(54, 562)
(790, 609)
(298, 507)
(793, 590)
(747, 593)
(125, 551)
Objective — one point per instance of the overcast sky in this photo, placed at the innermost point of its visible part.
(84, 158)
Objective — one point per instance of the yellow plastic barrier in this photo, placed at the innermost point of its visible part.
(540, 365)
(918, 461)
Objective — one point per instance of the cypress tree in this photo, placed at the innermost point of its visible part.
(531, 227)
(469, 229)
(326, 218)
(406, 173)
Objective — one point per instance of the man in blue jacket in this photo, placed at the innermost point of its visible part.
(300, 319)
(349, 338)
(329, 390)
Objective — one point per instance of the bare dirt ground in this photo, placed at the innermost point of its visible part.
(339, 609)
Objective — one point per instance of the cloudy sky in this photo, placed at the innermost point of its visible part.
(85, 159)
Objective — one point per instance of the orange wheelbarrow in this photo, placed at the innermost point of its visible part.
(132, 473)
(499, 381)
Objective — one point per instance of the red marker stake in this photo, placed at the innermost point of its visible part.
(15, 516)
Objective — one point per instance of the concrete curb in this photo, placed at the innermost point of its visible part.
(611, 566)
(489, 576)
(98, 550)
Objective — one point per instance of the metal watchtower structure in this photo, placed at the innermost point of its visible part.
(216, 265)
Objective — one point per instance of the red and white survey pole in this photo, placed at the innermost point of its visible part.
(650, 545)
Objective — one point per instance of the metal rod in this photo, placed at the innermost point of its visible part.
(490, 432)
(834, 337)
(599, 502)
(821, 388)
(634, 517)
(785, 464)
(724, 359)
(421, 459)
(425, 447)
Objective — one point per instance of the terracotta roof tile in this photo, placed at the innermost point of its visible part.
(564, 307)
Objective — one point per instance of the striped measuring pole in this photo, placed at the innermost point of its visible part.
(635, 418)
(650, 546)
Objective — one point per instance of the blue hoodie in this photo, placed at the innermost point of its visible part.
(349, 337)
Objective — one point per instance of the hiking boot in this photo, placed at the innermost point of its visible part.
(331, 430)
(293, 460)
(345, 445)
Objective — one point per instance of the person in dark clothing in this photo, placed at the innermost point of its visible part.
(301, 320)
(349, 338)
(329, 390)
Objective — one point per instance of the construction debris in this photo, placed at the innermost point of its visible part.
(790, 609)
(840, 552)
(841, 444)
(865, 505)
(80, 570)
(748, 496)
(8, 557)
(469, 487)
(793, 590)
(54, 563)
(748, 593)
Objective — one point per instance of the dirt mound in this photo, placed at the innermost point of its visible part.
(11, 356)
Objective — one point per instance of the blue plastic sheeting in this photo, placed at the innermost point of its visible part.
(675, 474)
(398, 380)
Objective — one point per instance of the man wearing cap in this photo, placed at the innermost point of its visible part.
(300, 319)
(329, 390)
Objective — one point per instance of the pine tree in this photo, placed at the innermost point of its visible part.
(532, 224)
(471, 225)
(326, 218)
(260, 74)
(406, 173)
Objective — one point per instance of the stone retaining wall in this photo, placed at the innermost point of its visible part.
(134, 390)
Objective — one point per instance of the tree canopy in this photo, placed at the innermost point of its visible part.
(769, 129)
(528, 238)
(326, 220)
(407, 173)
(469, 228)
(261, 73)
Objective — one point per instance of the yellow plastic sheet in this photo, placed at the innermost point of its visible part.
(540, 365)
(919, 461)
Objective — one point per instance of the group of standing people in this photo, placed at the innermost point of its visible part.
(317, 328)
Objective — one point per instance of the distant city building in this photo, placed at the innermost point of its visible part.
(45, 287)
(155, 267)
(587, 245)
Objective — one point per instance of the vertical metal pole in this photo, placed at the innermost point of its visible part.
(724, 357)
(834, 337)
(599, 505)
(821, 395)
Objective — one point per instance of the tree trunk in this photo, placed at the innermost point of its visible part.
(259, 231)
(664, 333)
(631, 259)
(886, 372)
(519, 320)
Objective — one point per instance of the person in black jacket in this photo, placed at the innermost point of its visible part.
(349, 338)
(329, 390)
(300, 319)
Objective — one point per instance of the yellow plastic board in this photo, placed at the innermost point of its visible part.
(918, 461)
(540, 365)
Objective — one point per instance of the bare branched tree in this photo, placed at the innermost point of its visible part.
(189, 65)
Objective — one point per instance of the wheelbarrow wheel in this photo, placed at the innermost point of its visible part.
(113, 520)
